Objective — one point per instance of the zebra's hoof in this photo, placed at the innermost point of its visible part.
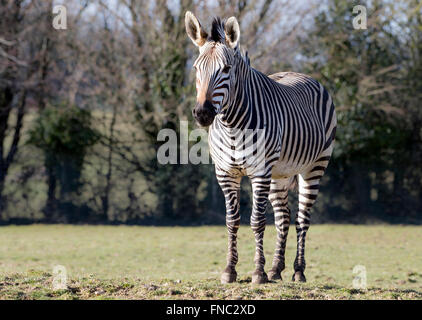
(228, 277)
(274, 275)
(299, 277)
(259, 277)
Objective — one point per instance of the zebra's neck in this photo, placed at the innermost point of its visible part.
(237, 113)
(243, 110)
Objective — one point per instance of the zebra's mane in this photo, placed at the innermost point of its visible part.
(243, 55)
(245, 58)
(218, 35)
(217, 31)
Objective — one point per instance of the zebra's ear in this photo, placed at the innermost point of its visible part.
(232, 31)
(194, 29)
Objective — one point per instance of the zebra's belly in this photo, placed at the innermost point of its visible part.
(228, 161)
(299, 151)
(283, 170)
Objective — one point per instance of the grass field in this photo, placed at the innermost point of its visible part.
(131, 262)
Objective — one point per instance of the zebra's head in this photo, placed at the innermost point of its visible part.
(214, 65)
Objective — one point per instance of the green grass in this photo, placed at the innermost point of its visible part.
(131, 262)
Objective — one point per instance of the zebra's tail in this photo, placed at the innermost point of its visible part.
(293, 183)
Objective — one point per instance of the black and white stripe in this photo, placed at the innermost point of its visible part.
(288, 115)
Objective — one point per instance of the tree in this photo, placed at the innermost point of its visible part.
(15, 66)
(366, 71)
(64, 133)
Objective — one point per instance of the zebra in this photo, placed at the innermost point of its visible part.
(299, 122)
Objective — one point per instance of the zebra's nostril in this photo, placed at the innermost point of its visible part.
(194, 112)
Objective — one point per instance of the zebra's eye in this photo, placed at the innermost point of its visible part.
(226, 69)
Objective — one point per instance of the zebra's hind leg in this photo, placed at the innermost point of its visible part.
(231, 189)
(279, 201)
(260, 189)
(308, 192)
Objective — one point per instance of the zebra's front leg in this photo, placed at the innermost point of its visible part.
(308, 192)
(260, 189)
(279, 201)
(231, 189)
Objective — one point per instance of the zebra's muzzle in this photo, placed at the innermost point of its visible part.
(204, 114)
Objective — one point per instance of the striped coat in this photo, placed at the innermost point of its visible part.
(277, 130)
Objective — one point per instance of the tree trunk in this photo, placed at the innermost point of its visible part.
(50, 209)
(6, 98)
(2, 203)
(106, 197)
